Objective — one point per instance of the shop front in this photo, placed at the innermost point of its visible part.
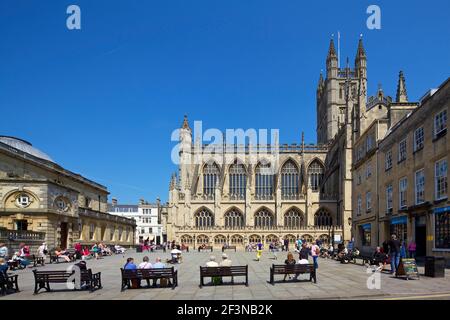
(442, 229)
(399, 227)
(365, 234)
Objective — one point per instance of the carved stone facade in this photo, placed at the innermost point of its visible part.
(36, 194)
(406, 152)
(310, 195)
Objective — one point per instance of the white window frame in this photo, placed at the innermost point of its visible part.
(402, 192)
(440, 122)
(444, 181)
(388, 160)
(389, 199)
(402, 150)
(416, 189)
(419, 140)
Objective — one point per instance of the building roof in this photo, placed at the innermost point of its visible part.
(23, 149)
(25, 146)
(122, 207)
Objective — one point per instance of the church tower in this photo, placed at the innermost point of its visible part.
(332, 108)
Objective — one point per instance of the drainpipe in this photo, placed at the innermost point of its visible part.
(378, 196)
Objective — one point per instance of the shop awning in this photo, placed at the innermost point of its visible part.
(399, 220)
(442, 210)
(367, 226)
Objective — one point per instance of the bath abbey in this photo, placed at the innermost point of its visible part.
(247, 193)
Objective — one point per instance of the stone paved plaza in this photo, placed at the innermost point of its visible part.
(335, 281)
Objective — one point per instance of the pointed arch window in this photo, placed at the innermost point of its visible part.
(264, 220)
(234, 220)
(204, 219)
(264, 181)
(323, 218)
(238, 181)
(210, 178)
(290, 181)
(315, 175)
(293, 219)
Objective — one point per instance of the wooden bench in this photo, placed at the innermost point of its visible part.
(293, 269)
(8, 282)
(42, 279)
(366, 256)
(148, 274)
(13, 265)
(205, 248)
(35, 260)
(229, 248)
(233, 271)
(54, 258)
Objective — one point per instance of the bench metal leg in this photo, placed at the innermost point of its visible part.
(124, 285)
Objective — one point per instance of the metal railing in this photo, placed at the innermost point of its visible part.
(22, 235)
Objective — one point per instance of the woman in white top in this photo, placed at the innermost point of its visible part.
(145, 264)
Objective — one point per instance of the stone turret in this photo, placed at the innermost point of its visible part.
(402, 95)
(332, 61)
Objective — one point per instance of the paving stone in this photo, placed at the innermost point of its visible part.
(335, 281)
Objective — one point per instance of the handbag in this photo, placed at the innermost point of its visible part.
(163, 282)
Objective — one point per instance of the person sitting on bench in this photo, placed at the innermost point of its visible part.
(379, 259)
(130, 265)
(225, 261)
(61, 254)
(289, 261)
(3, 265)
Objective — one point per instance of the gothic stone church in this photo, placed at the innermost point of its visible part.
(305, 192)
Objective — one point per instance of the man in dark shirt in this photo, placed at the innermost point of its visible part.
(394, 253)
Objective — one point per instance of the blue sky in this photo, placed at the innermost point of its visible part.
(102, 101)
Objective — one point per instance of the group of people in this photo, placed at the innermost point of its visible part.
(226, 262)
(145, 264)
(18, 257)
(391, 251)
(396, 250)
(304, 249)
(21, 259)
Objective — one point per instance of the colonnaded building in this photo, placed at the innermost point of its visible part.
(41, 201)
(247, 193)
